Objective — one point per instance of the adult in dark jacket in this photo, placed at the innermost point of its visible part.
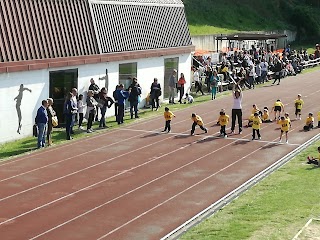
(155, 93)
(135, 92)
(51, 113)
(41, 121)
(277, 70)
(121, 97)
(107, 103)
(69, 110)
(114, 94)
(95, 88)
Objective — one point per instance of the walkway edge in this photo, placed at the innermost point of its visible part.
(213, 208)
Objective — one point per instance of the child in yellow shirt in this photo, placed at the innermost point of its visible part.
(278, 107)
(250, 120)
(197, 120)
(223, 121)
(298, 105)
(168, 115)
(309, 122)
(314, 160)
(286, 116)
(256, 126)
(265, 116)
(285, 124)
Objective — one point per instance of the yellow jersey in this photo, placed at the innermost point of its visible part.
(319, 116)
(278, 104)
(168, 115)
(265, 116)
(298, 103)
(255, 110)
(285, 124)
(223, 120)
(198, 120)
(309, 120)
(256, 123)
(251, 117)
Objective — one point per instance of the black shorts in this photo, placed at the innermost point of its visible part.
(277, 109)
(284, 131)
(298, 111)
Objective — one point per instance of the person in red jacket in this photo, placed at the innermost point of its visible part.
(180, 86)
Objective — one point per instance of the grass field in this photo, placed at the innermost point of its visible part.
(276, 208)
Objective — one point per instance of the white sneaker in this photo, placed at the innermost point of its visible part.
(280, 141)
(81, 128)
(299, 118)
(287, 142)
(89, 131)
(225, 136)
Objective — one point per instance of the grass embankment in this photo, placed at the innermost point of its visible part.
(276, 208)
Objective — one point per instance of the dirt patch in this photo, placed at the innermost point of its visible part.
(311, 232)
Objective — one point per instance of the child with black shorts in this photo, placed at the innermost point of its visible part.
(265, 116)
(168, 115)
(298, 103)
(223, 121)
(256, 126)
(309, 122)
(285, 124)
(278, 107)
(197, 120)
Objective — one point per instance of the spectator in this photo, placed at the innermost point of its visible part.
(180, 86)
(208, 74)
(135, 92)
(81, 107)
(251, 76)
(172, 86)
(106, 102)
(197, 81)
(277, 70)
(155, 93)
(214, 80)
(264, 70)
(188, 99)
(91, 110)
(74, 103)
(69, 111)
(95, 88)
(51, 113)
(121, 96)
(115, 97)
(41, 121)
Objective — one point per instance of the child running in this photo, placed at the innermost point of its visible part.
(223, 121)
(277, 108)
(197, 120)
(256, 126)
(309, 122)
(168, 115)
(313, 160)
(298, 104)
(286, 116)
(285, 123)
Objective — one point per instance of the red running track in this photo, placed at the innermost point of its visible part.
(134, 183)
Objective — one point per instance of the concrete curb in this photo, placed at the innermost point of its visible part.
(176, 233)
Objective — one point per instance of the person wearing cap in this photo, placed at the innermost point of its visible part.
(172, 85)
(51, 113)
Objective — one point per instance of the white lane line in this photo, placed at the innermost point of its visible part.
(97, 183)
(92, 166)
(75, 156)
(137, 188)
(180, 193)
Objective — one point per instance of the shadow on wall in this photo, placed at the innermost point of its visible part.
(18, 100)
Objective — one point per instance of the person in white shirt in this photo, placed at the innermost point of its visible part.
(197, 82)
(252, 74)
(188, 99)
(264, 70)
(81, 106)
(237, 108)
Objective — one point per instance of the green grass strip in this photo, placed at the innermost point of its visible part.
(276, 208)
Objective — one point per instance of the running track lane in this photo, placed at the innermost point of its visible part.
(151, 200)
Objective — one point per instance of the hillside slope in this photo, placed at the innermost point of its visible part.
(221, 16)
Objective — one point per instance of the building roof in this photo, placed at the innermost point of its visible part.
(250, 36)
(45, 29)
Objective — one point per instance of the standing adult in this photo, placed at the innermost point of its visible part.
(172, 85)
(95, 88)
(277, 70)
(121, 97)
(41, 121)
(91, 110)
(69, 111)
(180, 86)
(115, 97)
(252, 74)
(214, 80)
(155, 93)
(135, 92)
(107, 103)
(74, 103)
(264, 70)
(51, 113)
(237, 108)
(208, 74)
(197, 81)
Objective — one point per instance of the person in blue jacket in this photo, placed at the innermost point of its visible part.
(41, 121)
(121, 97)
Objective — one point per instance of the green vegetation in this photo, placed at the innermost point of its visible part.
(219, 16)
(276, 208)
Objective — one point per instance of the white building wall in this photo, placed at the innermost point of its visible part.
(38, 83)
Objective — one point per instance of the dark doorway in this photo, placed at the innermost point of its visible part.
(61, 83)
(169, 65)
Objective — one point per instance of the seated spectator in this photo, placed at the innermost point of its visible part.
(188, 99)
